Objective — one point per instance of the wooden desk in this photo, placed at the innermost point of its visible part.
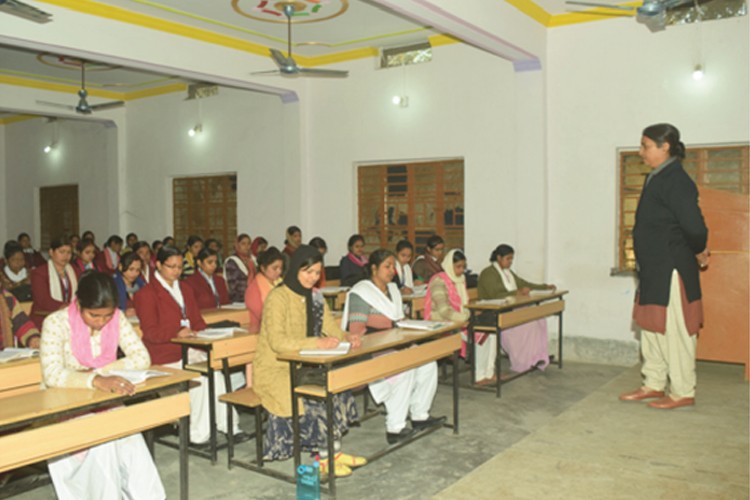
(360, 368)
(335, 296)
(515, 311)
(416, 302)
(222, 353)
(20, 377)
(51, 437)
(241, 316)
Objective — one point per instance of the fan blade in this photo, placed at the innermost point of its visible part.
(324, 73)
(57, 105)
(602, 5)
(272, 72)
(107, 105)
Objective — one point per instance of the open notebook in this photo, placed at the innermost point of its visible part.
(14, 353)
(421, 324)
(342, 348)
(137, 376)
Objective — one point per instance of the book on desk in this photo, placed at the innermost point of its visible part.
(14, 353)
(342, 348)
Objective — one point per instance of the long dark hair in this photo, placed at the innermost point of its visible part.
(166, 252)
(268, 257)
(96, 290)
(665, 132)
(501, 251)
(377, 258)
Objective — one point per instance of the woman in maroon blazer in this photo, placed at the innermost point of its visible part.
(108, 260)
(54, 283)
(210, 289)
(167, 309)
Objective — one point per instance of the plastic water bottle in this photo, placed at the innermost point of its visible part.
(308, 482)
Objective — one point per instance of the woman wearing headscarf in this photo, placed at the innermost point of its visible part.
(296, 317)
(258, 245)
(239, 268)
(446, 300)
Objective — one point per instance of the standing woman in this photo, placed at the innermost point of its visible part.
(84, 261)
(167, 309)
(128, 281)
(428, 263)
(54, 284)
(239, 269)
(78, 350)
(526, 344)
(296, 317)
(446, 300)
(373, 305)
(108, 260)
(270, 267)
(669, 239)
(353, 266)
(194, 247)
(209, 288)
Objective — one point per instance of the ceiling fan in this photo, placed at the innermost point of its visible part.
(83, 107)
(24, 10)
(287, 65)
(652, 13)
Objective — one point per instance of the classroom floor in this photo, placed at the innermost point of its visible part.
(557, 434)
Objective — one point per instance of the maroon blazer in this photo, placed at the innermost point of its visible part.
(203, 293)
(42, 302)
(33, 260)
(78, 266)
(100, 263)
(160, 317)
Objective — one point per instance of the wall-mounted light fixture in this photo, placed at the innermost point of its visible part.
(698, 72)
(400, 100)
(55, 132)
(195, 130)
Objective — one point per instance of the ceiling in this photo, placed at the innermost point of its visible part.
(323, 31)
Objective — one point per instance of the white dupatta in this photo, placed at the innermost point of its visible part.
(55, 291)
(392, 308)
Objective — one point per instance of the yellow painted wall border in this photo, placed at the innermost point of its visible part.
(16, 118)
(107, 94)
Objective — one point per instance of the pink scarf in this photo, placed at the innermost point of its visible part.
(454, 299)
(361, 262)
(80, 339)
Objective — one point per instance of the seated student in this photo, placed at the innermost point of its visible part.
(84, 261)
(155, 246)
(167, 309)
(296, 317)
(143, 251)
(428, 263)
(89, 235)
(292, 240)
(270, 267)
(194, 247)
(353, 266)
(14, 275)
(128, 281)
(79, 348)
(33, 257)
(168, 241)
(404, 277)
(446, 300)
(322, 247)
(239, 268)
(375, 304)
(216, 246)
(130, 240)
(74, 240)
(209, 288)
(16, 328)
(526, 344)
(54, 284)
(259, 245)
(108, 260)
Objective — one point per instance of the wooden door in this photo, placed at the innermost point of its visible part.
(58, 207)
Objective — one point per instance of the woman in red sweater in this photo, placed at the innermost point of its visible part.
(210, 289)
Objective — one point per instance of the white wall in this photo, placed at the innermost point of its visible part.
(608, 81)
(82, 156)
(4, 214)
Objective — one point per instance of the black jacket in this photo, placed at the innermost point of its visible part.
(669, 231)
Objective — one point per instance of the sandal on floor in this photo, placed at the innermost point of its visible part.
(351, 461)
(340, 470)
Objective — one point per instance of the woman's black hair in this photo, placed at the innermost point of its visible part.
(208, 242)
(127, 259)
(96, 290)
(458, 256)
(193, 239)
(58, 242)
(401, 245)
(269, 256)
(318, 243)
(243, 236)
(166, 252)
(89, 233)
(353, 239)
(113, 239)
(312, 260)
(131, 234)
(166, 239)
(155, 243)
(206, 253)
(140, 244)
(434, 241)
(377, 258)
(665, 132)
(84, 244)
(11, 248)
(291, 230)
(501, 251)
(23, 235)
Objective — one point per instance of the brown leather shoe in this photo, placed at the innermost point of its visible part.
(640, 394)
(668, 403)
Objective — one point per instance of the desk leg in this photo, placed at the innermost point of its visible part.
(212, 410)
(498, 357)
(295, 416)
(330, 443)
(184, 443)
(455, 390)
(470, 346)
(559, 340)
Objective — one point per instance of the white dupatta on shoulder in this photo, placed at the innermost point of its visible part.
(392, 308)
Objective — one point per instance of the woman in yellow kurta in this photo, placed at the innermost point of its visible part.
(296, 317)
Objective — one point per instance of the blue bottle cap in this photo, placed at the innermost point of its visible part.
(301, 469)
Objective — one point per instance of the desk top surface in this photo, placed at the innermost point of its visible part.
(20, 362)
(374, 342)
(200, 342)
(49, 402)
(517, 301)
